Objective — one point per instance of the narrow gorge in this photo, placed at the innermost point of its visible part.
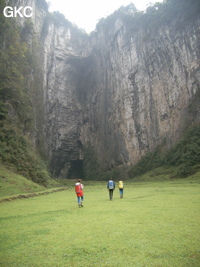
(112, 96)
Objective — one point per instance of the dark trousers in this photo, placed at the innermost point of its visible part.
(111, 193)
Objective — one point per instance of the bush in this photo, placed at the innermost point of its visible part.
(185, 155)
(17, 152)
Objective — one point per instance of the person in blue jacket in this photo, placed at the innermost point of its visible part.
(111, 188)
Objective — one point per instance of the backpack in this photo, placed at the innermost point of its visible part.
(111, 185)
(78, 188)
(121, 185)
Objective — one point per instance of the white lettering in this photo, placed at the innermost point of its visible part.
(8, 11)
(30, 12)
(14, 11)
(17, 11)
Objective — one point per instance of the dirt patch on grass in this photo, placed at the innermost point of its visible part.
(33, 194)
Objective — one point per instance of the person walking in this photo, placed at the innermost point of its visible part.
(121, 189)
(79, 192)
(111, 188)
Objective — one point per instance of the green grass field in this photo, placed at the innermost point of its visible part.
(155, 224)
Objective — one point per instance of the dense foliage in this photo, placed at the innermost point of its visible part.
(17, 99)
(177, 12)
(185, 155)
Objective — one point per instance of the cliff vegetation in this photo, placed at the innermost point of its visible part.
(178, 12)
(20, 102)
(184, 157)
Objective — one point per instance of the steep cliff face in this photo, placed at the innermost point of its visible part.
(118, 93)
(63, 44)
(143, 87)
(39, 12)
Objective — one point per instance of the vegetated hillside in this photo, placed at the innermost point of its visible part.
(12, 184)
(20, 100)
(182, 161)
(178, 12)
(183, 158)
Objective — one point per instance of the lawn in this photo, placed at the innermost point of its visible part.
(155, 224)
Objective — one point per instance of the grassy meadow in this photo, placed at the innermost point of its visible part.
(155, 224)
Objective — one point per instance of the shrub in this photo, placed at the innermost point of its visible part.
(185, 155)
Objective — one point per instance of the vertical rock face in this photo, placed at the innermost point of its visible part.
(62, 45)
(119, 92)
(144, 85)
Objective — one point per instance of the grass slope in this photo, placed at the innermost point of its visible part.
(14, 184)
(155, 224)
(163, 174)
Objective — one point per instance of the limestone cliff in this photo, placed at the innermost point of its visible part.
(144, 85)
(118, 92)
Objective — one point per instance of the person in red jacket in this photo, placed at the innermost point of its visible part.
(79, 192)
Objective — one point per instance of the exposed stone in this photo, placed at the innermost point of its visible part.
(120, 92)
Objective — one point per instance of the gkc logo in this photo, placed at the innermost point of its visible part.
(13, 12)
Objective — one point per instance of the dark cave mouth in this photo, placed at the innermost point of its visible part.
(76, 169)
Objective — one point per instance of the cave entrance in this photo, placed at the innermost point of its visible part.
(76, 169)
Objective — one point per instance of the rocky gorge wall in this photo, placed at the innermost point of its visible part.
(143, 94)
(124, 96)
(116, 94)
